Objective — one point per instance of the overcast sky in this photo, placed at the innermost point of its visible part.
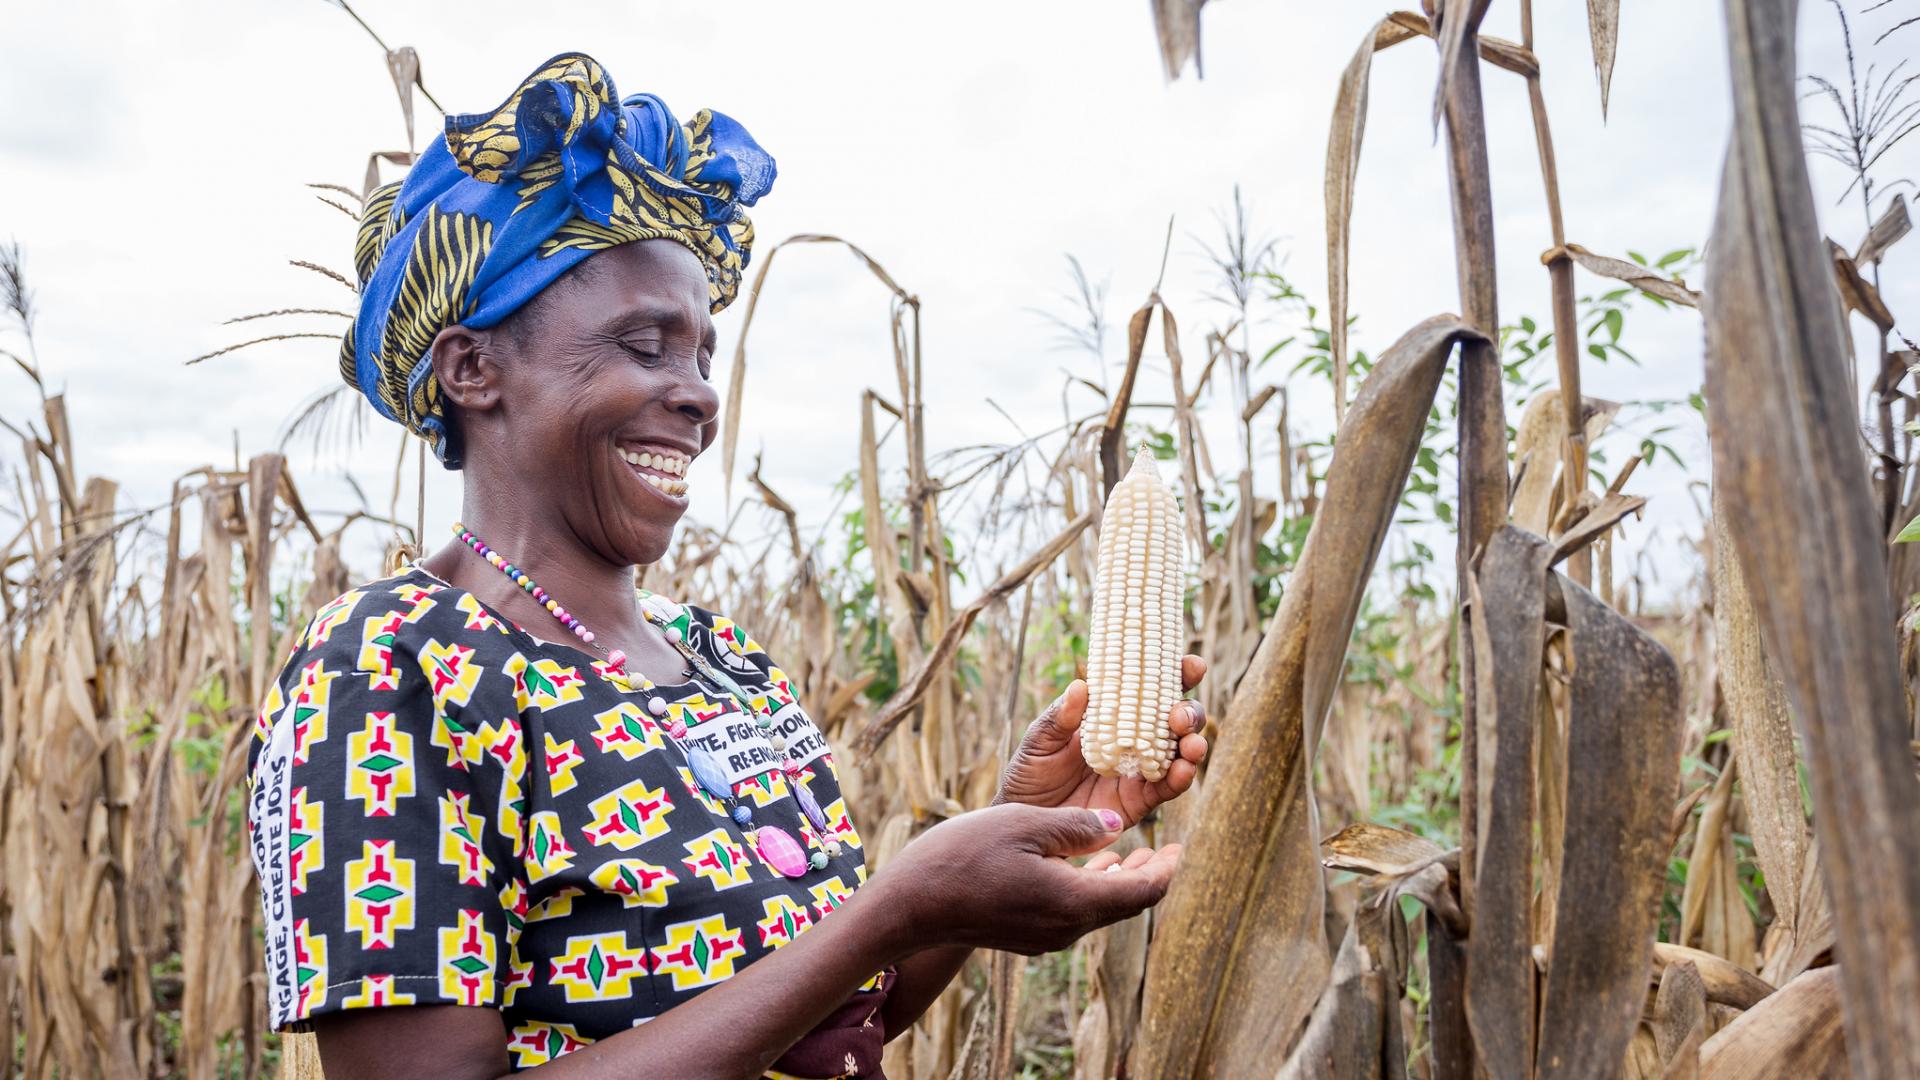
(153, 159)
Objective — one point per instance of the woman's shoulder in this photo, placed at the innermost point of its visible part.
(410, 593)
(411, 613)
(400, 644)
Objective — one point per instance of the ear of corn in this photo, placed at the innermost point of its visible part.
(1133, 661)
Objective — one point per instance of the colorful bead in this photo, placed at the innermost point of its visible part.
(707, 770)
(790, 767)
(833, 849)
(657, 706)
(779, 744)
(810, 806)
(742, 815)
(674, 634)
(818, 860)
(586, 635)
(677, 729)
(552, 605)
(617, 660)
(780, 850)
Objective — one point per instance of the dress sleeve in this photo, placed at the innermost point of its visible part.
(384, 793)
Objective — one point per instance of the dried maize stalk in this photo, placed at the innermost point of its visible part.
(1133, 655)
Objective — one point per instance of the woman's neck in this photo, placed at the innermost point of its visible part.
(598, 592)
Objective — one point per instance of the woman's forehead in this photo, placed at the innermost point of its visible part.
(647, 281)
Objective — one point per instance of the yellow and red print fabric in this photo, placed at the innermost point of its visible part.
(442, 809)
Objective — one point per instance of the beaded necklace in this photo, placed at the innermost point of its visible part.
(675, 622)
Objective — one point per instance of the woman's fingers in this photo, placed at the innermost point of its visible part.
(1192, 670)
(1180, 776)
(1056, 725)
(1108, 860)
(1117, 893)
(1193, 748)
(1189, 718)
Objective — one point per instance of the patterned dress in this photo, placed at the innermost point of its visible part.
(443, 809)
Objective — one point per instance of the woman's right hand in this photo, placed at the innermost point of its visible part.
(999, 879)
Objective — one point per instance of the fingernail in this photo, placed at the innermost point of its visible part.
(1112, 821)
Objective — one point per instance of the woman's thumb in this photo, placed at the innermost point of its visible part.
(1074, 830)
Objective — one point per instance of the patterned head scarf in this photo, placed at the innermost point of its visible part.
(513, 198)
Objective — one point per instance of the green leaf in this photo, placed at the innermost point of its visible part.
(1909, 534)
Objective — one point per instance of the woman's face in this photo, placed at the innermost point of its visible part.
(603, 402)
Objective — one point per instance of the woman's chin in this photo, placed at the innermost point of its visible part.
(645, 541)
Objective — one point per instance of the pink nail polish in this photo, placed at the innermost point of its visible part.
(1112, 821)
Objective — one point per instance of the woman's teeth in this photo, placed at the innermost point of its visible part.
(672, 465)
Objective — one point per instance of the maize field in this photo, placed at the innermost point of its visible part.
(1489, 815)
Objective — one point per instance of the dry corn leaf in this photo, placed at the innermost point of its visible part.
(1366, 848)
(1624, 733)
(1783, 432)
(1508, 631)
(1176, 23)
(1856, 292)
(1680, 1019)
(1892, 224)
(403, 64)
(1756, 706)
(1640, 277)
(1113, 429)
(1343, 166)
(1602, 515)
(1795, 1034)
(1726, 983)
(1603, 24)
(1354, 1032)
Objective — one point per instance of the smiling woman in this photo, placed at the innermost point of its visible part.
(510, 812)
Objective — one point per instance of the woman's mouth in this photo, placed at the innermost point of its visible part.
(662, 468)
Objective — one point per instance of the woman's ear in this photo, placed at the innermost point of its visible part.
(468, 372)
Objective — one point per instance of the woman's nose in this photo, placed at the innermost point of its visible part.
(695, 398)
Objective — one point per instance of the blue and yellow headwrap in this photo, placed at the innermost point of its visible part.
(513, 198)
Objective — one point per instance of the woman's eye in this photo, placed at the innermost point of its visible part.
(648, 353)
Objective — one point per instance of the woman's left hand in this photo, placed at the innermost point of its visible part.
(1049, 770)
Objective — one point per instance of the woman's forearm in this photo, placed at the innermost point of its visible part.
(742, 1026)
(921, 979)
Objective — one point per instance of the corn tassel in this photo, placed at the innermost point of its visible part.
(1134, 650)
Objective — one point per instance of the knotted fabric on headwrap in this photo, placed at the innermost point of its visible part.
(512, 199)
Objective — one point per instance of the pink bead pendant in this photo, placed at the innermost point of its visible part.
(780, 850)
